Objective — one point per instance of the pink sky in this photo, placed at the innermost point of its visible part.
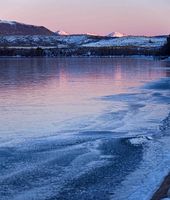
(145, 17)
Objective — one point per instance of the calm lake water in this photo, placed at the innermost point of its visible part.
(83, 128)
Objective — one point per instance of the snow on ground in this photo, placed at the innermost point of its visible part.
(7, 22)
(75, 39)
(84, 41)
(129, 41)
(30, 41)
(44, 40)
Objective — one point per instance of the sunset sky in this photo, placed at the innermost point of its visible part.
(136, 17)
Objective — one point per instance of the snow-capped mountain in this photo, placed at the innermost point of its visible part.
(63, 33)
(91, 34)
(60, 32)
(14, 34)
(116, 34)
(7, 22)
(16, 28)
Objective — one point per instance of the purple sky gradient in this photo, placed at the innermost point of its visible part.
(144, 17)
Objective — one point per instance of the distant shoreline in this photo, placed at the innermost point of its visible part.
(149, 57)
(80, 45)
(78, 51)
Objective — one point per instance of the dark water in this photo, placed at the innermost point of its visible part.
(78, 128)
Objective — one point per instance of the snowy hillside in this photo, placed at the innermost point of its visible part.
(7, 22)
(129, 41)
(82, 41)
(38, 40)
(16, 28)
(79, 39)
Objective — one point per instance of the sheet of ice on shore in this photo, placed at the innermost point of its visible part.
(92, 166)
(133, 113)
(156, 139)
(142, 114)
(153, 167)
(42, 167)
(163, 84)
(140, 140)
(143, 182)
(76, 167)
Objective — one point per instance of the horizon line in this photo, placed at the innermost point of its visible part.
(85, 33)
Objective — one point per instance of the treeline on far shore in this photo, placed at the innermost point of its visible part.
(165, 50)
(86, 51)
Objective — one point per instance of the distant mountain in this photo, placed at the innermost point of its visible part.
(16, 28)
(60, 32)
(91, 34)
(115, 34)
(14, 34)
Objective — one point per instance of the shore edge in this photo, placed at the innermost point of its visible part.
(162, 192)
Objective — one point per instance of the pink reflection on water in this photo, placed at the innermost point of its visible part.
(38, 95)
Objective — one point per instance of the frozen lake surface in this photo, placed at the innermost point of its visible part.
(83, 128)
